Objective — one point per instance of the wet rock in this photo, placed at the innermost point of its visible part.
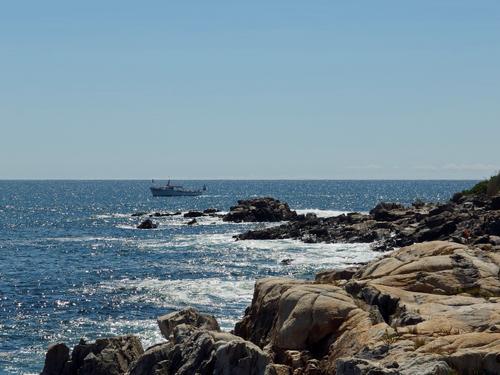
(137, 214)
(55, 360)
(192, 222)
(192, 214)
(147, 224)
(260, 210)
(191, 317)
(210, 211)
(287, 261)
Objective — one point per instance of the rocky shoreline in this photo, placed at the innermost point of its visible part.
(432, 307)
(464, 219)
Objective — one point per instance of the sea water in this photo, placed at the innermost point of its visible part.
(73, 264)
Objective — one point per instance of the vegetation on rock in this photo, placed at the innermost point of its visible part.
(489, 187)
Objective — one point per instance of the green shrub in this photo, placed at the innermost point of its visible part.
(489, 187)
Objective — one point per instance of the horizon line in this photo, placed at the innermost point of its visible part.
(242, 179)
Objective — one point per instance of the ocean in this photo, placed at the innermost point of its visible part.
(73, 264)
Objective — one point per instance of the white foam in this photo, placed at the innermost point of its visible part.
(176, 294)
(324, 213)
(111, 216)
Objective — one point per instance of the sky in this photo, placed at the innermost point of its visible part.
(287, 89)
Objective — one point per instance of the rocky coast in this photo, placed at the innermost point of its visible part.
(432, 306)
(464, 219)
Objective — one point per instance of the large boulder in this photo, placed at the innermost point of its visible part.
(190, 317)
(260, 210)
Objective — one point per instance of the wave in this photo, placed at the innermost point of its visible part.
(323, 213)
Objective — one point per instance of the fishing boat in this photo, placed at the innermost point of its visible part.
(169, 190)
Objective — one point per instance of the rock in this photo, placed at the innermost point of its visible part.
(192, 222)
(210, 211)
(471, 219)
(191, 214)
(161, 214)
(495, 203)
(495, 240)
(150, 361)
(430, 308)
(203, 352)
(387, 211)
(286, 261)
(335, 275)
(260, 210)
(55, 360)
(275, 369)
(189, 316)
(109, 356)
(147, 224)
(137, 214)
(418, 203)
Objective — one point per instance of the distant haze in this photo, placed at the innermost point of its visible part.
(257, 89)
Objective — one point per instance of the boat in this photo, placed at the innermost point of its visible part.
(169, 190)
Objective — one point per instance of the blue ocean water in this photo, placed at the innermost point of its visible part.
(73, 265)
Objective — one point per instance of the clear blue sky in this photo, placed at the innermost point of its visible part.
(249, 89)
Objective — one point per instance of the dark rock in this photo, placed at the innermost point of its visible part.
(136, 214)
(109, 356)
(387, 211)
(147, 224)
(260, 210)
(391, 225)
(287, 261)
(191, 222)
(210, 211)
(189, 316)
(418, 203)
(55, 360)
(458, 198)
(161, 214)
(440, 209)
(191, 214)
(440, 232)
(495, 202)
(151, 360)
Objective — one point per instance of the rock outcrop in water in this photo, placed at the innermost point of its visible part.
(464, 219)
(147, 224)
(260, 210)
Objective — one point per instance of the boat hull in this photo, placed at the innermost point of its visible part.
(159, 192)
